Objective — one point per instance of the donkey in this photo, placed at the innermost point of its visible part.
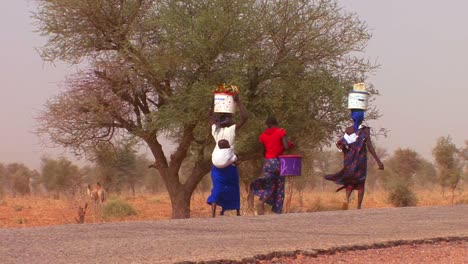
(97, 194)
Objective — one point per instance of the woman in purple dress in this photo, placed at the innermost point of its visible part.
(354, 145)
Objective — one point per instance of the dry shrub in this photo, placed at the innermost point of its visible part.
(401, 196)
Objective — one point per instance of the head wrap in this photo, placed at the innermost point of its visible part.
(358, 116)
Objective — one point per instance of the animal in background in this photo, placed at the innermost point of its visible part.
(97, 194)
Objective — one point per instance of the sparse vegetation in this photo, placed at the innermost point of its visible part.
(21, 221)
(117, 208)
(401, 196)
(18, 208)
(47, 211)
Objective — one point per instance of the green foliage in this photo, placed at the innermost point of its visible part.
(426, 174)
(401, 196)
(59, 175)
(18, 177)
(296, 60)
(403, 164)
(117, 165)
(149, 176)
(116, 208)
(317, 163)
(408, 167)
(448, 164)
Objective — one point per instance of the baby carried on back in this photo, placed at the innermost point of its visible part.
(223, 154)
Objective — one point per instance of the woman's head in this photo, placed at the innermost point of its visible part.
(271, 121)
(358, 116)
(224, 120)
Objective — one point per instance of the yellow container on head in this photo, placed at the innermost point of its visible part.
(359, 87)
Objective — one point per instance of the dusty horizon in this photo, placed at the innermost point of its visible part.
(420, 45)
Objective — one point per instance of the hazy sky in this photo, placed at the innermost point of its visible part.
(421, 46)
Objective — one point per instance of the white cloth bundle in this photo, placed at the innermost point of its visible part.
(222, 158)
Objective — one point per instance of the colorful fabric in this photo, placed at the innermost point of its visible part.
(358, 116)
(226, 190)
(270, 187)
(271, 138)
(354, 171)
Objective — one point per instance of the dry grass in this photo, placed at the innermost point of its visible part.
(37, 211)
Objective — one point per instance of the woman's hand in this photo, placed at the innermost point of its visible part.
(380, 164)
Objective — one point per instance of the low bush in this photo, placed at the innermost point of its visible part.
(401, 196)
(117, 208)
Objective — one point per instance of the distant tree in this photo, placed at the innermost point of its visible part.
(153, 66)
(426, 175)
(60, 176)
(374, 175)
(152, 181)
(104, 158)
(322, 162)
(448, 165)
(116, 166)
(464, 156)
(19, 176)
(35, 183)
(402, 166)
(126, 166)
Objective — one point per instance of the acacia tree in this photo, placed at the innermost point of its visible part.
(448, 165)
(18, 177)
(151, 67)
(464, 157)
(116, 166)
(403, 165)
(60, 176)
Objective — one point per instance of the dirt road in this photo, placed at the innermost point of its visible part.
(228, 238)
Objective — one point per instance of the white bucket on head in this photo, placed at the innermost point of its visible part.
(224, 103)
(358, 100)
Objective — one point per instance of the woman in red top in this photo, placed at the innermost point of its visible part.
(270, 187)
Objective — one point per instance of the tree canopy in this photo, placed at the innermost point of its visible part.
(448, 163)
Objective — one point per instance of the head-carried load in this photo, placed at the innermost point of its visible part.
(358, 97)
(357, 103)
(224, 98)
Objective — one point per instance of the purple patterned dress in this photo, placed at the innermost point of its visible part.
(353, 175)
(270, 187)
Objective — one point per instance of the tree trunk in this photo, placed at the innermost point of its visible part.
(179, 193)
(181, 204)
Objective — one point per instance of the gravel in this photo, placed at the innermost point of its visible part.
(231, 238)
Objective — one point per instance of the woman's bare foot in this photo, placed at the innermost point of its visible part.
(261, 208)
(345, 206)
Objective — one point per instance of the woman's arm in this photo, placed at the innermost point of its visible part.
(371, 149)
(211, 116)
(284, 140)
(244, 115)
